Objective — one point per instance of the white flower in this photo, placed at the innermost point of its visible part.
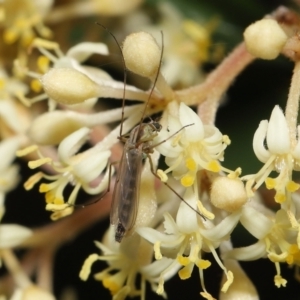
(183, 241)
(195, 147)
(276, 239)
(126, 261)
(277, 155)
(80, 170)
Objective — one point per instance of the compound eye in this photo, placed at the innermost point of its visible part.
(157, 126)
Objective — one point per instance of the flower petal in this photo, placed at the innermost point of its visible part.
(255, 222)
(71, 144)
(258, 142)
(278, 139)
(187, 116)
(83, 51)
(252, 252)
(12, 235)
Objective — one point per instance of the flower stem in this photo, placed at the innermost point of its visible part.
(292, 106)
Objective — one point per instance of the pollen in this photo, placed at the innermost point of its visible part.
(214, 166)
(32, 180)
(187, 180)
(43, 63)
(292, 186)
(228, 283)
(270, 183)
(58, 201)
(157, 252)
(162, 175)
(185, 272)
(49, 197)
(280, 198)
(36, 85)
(39, 162)
(203, 264)
(111, 285)
(44, 188)
(26, 150)
(86, 268)
(190, 164)
(183, 260)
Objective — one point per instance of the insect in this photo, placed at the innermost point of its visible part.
(138, 146)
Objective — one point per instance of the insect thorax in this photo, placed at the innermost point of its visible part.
(144, 133)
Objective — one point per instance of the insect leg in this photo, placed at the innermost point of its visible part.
(166, 184)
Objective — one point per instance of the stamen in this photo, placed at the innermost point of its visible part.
(87, 265)
(214, 166)
(187, 180)
(39, 162)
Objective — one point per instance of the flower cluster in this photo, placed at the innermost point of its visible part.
(174, 199)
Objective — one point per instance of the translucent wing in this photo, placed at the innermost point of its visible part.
(126, 192)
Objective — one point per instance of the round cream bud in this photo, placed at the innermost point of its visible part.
(228, 194)
(68, 86)
(265, 39)
(142, 54)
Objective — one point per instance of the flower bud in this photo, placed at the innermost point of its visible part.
(228, 194)
(68, 86)
(142, 54)
(265, 39)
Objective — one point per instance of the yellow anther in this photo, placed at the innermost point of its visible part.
(162, 175)
(43, 63)
(203, 264)
(26, 150)
(207, 214)
(10, 36)
(185, 272)
(44, 188)
(228, 283)
(32, 180)
(270, 183)
(214, 166)
(49, 196)
(2, 84)
(111, 285)
(294, 249)
(190, 164)
(183, 260)
(157, 253)
(87, 265)
(36, 85)
(226, 140)
(280, 198)
(292, 186)
(290, 259)
(39, 162)
(187, 180)
(58, 201)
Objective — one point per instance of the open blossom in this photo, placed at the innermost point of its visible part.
(195, 147)
(189, 147)
(126, 261)
(277, 155)
(184, 241)
(81, 170)
(277, 240)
